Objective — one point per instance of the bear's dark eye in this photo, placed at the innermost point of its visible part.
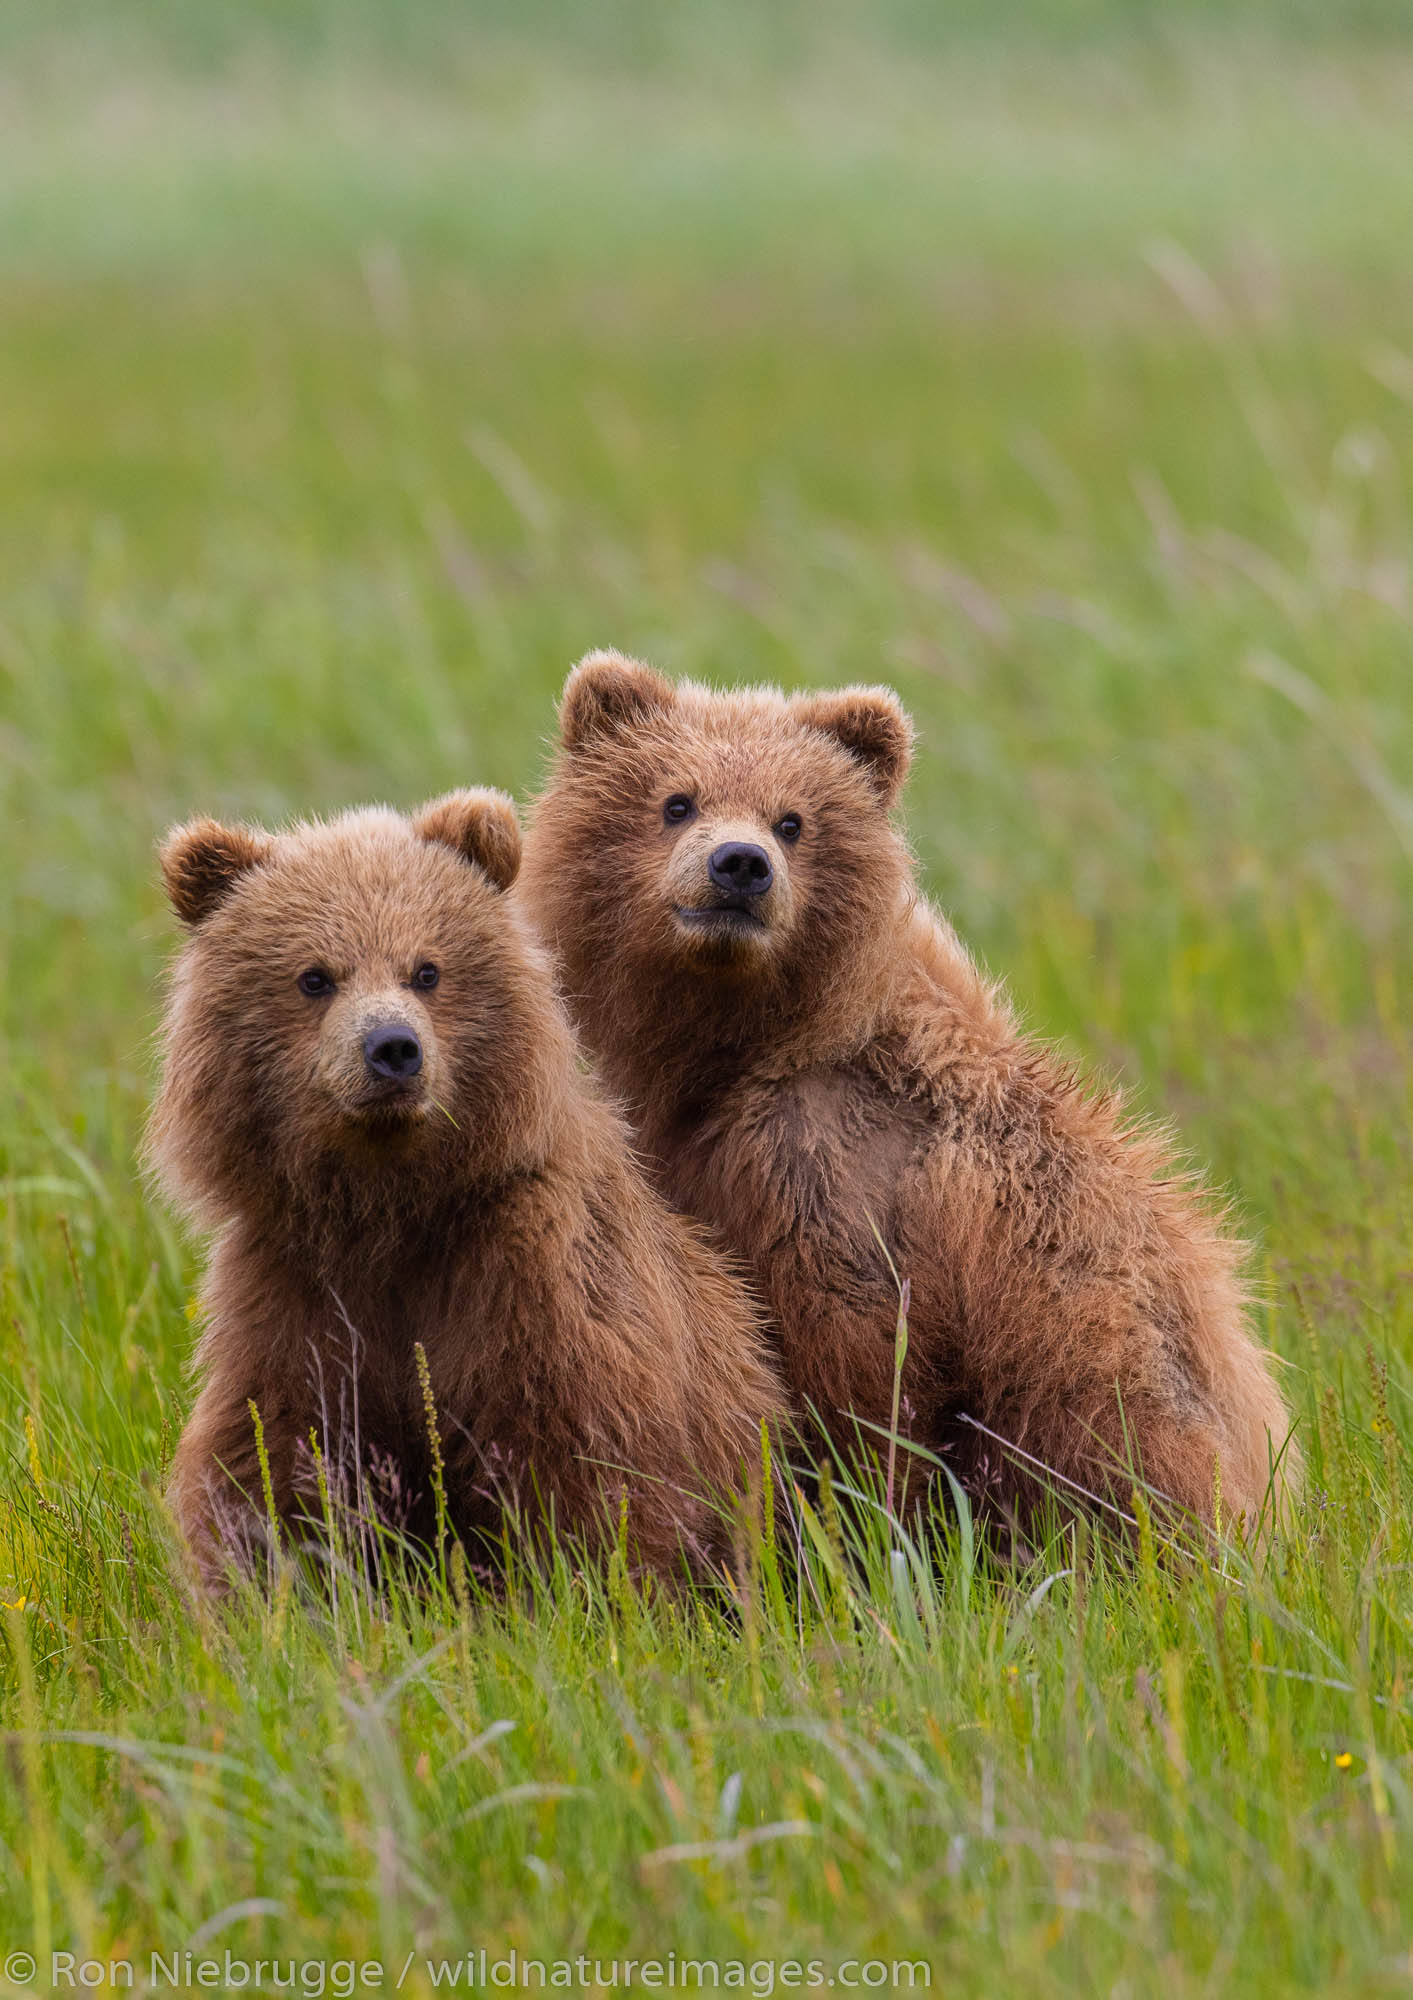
(788, 827)
(316, 983)
(426, 976)
(679, 809)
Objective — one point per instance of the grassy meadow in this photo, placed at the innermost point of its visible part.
(358, 370)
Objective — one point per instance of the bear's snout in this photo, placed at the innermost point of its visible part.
(392, 1052)
(379, 1060)
(739, 868)
(727, 888)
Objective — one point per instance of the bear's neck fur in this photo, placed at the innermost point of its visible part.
(670, 1044)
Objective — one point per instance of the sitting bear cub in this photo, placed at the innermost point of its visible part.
(807, 1054)
(372, 1095)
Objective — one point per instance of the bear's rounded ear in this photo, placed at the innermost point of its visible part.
(480, 826)
(608, 692)
(202, 862)
(871, 724)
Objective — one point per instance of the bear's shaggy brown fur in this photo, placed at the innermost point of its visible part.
(807, 1053)
(481, 1199)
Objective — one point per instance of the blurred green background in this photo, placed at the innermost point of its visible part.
(361, 365)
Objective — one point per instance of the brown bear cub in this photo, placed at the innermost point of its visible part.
(373, 1096)
(807, 1054)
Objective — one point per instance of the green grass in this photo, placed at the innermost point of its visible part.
(354, 380)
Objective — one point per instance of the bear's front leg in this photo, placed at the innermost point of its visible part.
(217, 1487)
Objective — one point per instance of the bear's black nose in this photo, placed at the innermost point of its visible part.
(391, 1049)
(741, 869)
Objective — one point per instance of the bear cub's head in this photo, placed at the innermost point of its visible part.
(742, 837)
(354, 999)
